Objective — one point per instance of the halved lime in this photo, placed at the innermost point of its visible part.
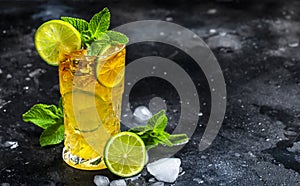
(54, 38)
(125, 154)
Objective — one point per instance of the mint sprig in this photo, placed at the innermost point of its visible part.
(154, 132)
(96, 30)
(51, 119)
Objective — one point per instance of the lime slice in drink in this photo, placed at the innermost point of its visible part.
(110, 71)
(54, 38)
(125, 154)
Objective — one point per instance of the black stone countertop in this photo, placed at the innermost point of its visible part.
(256, 44)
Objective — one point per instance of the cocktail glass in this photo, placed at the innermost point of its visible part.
(91, 88)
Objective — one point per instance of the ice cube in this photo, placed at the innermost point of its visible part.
(118, 183)
(166, 169)
(11, 144)
(101, 180)
(142, 114)
(158, 184)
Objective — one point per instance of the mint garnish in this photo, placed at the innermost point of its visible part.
(80, 24)
(99, 23)
(97, 30)
(50, 118)
(154, 133)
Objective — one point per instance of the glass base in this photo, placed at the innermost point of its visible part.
(84, 164)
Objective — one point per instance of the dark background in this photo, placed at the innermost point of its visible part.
(256, 44)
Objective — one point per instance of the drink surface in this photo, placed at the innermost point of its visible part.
(91, 88)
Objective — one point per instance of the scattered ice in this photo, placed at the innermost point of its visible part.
(120, 182)
(151, 180)
(237, 154)
(203, 157)
(224, 41)
(36, 72)
(223, 33)
(166, 169)
(27, 79)
(101, 180)
(294, 44)
(4, 184)
(212, 11)
(295, 147)
(142, 114)
(11, 144)
(26, 87)
(158, 184)
(198, 180)
(28, 65)
(212, 31)
(8, 76)
(133, 178)
(169, 18)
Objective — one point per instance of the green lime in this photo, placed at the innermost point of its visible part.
(54, 38)
(125, 154)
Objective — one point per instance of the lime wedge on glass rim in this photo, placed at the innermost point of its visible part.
(125, 154)
(54, 38)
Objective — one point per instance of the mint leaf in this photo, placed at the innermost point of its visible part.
(117, 37)
(80, 24)
(52, 135)
(43, 115)
(139, 130)
(50, 118)
(158, 121)
(178, 139)
(99, 23)
(153, 133)
(99, 46)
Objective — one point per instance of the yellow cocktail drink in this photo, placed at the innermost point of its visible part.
(91, 89)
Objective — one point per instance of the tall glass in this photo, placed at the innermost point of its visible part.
(91, 88)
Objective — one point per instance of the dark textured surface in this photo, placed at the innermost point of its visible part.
(256, 44)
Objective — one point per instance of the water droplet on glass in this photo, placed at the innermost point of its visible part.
(129, 83)
(178, 32)
(213, 89)
(154, 67)
(162, 33)
(165, 73)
